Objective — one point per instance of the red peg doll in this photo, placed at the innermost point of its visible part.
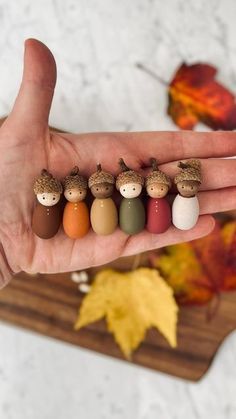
(158, 209)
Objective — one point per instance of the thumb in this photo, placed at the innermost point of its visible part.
(30, 112)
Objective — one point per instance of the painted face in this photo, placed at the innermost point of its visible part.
(48, 199)
(102, 190)
(75, 194)
(157, 190)
(131, 190)
(188, 188)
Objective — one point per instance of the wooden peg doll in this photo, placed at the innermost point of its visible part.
(47, 213)
(131, 212)
(158, 209)
(185, 209)
(76, 221)
(103, 215)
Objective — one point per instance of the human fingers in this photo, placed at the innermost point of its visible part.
(221, 200)
(137, 147)
(176, 145)
(216, 173)
(30, 113)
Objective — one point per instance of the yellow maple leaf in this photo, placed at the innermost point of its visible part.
(132, 302)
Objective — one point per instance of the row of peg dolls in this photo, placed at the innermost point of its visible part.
(103, 216)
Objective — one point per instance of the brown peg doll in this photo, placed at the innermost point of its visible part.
(185, 209)
(103, 214)
(76, 221)
(47, 213)
(158, 209)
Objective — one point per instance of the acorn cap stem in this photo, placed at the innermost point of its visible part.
(74, 171)
(123, 166)
(183, 165)
(44, 172)
(153, 163)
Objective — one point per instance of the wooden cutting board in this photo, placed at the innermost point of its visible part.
(48, 304)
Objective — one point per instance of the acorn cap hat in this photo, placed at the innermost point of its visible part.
(127, 176)
(75, 180)
(190, 170)
(157, 176)
(46, 183)
(100, 177)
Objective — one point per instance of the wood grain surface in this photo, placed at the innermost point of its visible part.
(48, 304)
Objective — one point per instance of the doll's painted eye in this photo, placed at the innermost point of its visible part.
(107, 188)
(133, 189)
(151, 189)
(162, 189)
(182, 187)
(70, 193)
(192, 187)
(54, 198)
(123, 190)
(43, 197)
(80, 192)
(97, 189)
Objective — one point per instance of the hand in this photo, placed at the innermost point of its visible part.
(27, 146)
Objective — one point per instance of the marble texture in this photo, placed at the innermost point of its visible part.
(43, 379)
(98, 45)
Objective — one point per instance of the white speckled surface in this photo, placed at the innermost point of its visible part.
(97, 45)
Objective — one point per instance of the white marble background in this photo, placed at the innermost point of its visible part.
(97, 45)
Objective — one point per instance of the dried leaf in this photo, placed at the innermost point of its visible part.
(195, 96)
(228, 234)
(132, 302)
(200, 269)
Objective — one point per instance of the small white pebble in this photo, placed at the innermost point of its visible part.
(84, 276)
(85, 288)
(75, 277)
(79, 277)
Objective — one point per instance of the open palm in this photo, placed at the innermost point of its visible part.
(27, 145)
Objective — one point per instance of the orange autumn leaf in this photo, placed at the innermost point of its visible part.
(200, 269)
(195, 96)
